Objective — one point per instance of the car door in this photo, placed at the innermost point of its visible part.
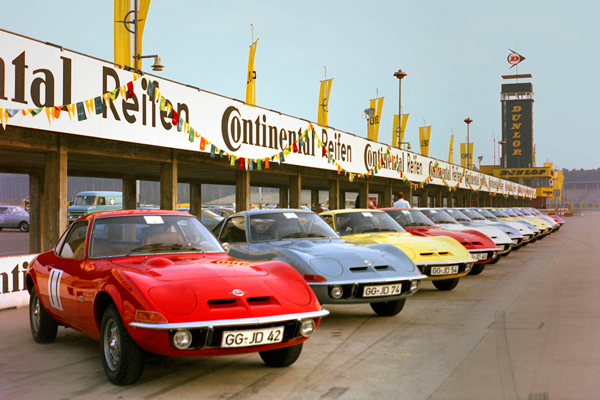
(4, 217)
(65, 268)
(234, 233)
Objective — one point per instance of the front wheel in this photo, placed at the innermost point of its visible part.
(495, 260)
(24, 226)
(122, 358)
(446, 284)
(388, 308)
(282, 357)
(43, 328)
(476, 269)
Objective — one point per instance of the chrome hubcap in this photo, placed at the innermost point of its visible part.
(35, 314)
(112, 347)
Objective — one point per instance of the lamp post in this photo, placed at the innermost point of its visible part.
(157, 66)
(468, 122)
(500, 144)
(400, 75)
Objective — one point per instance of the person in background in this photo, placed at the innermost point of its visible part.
(400, 202)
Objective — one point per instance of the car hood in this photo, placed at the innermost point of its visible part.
(511, 231)
(419, 249)
(497, 236)
(472, 240)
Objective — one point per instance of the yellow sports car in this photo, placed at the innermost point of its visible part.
(443, 259)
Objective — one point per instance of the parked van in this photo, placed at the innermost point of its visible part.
(91, 202)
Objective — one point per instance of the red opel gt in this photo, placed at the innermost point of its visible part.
(158, 281)
(481, 247)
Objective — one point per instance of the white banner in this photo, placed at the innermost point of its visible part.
(39, 75)
(13, 291)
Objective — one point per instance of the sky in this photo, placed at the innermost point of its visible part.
(453, 52)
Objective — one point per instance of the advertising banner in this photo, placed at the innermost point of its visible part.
(13, 291)
(104, 101)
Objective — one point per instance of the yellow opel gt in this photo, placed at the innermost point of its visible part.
(505, 214)
(443, 259)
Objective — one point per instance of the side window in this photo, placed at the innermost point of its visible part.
(74, 245)
(101, 201)
(3, 210)
(234, 231)
(329, 220)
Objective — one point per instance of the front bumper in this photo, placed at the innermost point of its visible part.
(491, 254)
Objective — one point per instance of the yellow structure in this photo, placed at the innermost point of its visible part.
(323, 115)
(122, 37)
(251, 76)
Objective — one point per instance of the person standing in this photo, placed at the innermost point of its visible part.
(400, 202)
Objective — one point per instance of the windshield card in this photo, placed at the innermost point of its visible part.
(290, 215)
(153, 219)
(367, 214)
(405, 212)
(433, 211)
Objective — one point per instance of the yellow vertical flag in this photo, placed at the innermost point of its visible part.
(377, 105)
(122, 38)
(251, 76)
(424, 134)
(143, 16)
(463, 155)
(451, 150)
(323, 116)
(398, 136)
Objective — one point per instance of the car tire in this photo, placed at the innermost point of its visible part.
(43, 327)
(122, 358)
(445, 284)
(495, 260)
(388, 308)
(282, 357)
(476, 269)
(24, 226)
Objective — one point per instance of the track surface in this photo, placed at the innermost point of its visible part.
(13, 242)
(526, 328)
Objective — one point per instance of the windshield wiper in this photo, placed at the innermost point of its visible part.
(301, 235)
(146, 247)
(379, 230)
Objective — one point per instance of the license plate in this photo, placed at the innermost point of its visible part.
(252, 337)
(450, 269)
(382, 290)
(479, 256)
(515, 241)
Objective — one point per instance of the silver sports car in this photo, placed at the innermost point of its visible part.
(338, 272)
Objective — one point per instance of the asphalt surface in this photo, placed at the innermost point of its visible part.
(13, 242)
(526, 328)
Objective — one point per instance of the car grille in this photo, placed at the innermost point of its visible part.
(211, 337)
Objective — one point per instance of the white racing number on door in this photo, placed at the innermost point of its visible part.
(54, 288)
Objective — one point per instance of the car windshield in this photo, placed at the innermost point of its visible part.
(410, 218)
(510, 213)
(499, 213)
(353, 223)
(439, 217)
(474, 215)
(518, 212)
(525, 211)
(288, 225)
(150, 234)
(535, 211)
(459, 216)
(486, 214)
(85, 200)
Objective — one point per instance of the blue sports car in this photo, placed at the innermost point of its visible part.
(338, 272)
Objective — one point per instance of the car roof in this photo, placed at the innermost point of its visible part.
(270, 211)
(116, 213)
(99, 193)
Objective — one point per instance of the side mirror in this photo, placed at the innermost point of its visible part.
(226, 246)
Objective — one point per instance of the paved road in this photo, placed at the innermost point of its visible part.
(13, 242)
(526, 328)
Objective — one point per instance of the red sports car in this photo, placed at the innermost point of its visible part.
(481, 247)
(158, 281)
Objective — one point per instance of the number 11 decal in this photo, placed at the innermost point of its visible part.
(54, 288)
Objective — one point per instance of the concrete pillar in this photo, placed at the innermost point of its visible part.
(36, 212)
(129, 194)
(295, 190)
(438, 197)
(469, 198)
(424, 196)
(408, 194)
(242, 190)
(168, 185)
(196, 199)
(283, 197)
(363, 192)
(55, 196)
(334, 194)
(314, 200)
(387, 196)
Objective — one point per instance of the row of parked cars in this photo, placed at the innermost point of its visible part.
(154, 281)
